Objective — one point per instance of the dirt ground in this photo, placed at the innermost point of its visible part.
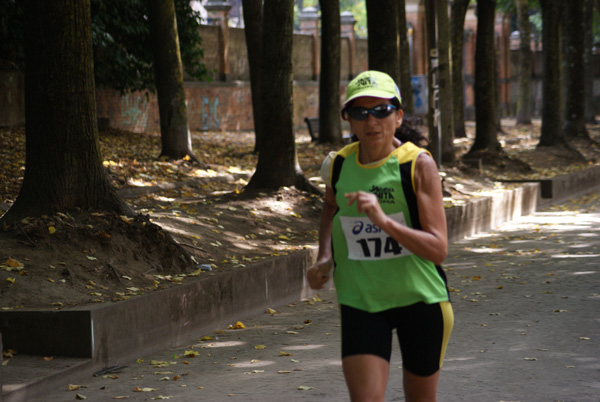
(82, 257)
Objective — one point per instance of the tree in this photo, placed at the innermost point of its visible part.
(525, 54)
(330, 129)
(551, 131)
(63, 164)
(121, 40)
(590, 112)
(575, 69)
(277, 160)
(486, 136)
(253, 20)
(175, 135)
(123, 57)
(405, 73)
(382, 25)
(457, 33)
(445, 82)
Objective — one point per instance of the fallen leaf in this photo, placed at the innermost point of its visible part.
(305, 388)
(79, 396)
(238, 325)
(191, 353)
(285, 354)
(73, 387)
(260, 347)
(51, 229)
(138, 389)
(13, 263)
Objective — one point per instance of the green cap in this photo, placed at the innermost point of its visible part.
(372, 83)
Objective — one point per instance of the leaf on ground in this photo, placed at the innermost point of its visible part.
(138, 389)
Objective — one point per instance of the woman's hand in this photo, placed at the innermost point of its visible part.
(319, 274)
(367, 203)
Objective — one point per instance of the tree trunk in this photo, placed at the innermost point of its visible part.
(551, 131)
(575, 70)
(405, 73)
(63, 163)
(277, 160)
(168, 74)
(590, 109)
(445, 82)
(457, 34)
(330, 129)
(524, 93)
(382, 26)
(253, 19)
(486, 136)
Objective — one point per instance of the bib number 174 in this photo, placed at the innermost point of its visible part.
(366, 241)
(373, 247)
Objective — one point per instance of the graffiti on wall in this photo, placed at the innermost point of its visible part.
(134, 111)
(420, 98)
(203, 113)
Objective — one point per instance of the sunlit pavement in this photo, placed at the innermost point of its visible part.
(527, 328)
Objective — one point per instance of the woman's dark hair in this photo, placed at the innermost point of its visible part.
(407, 131)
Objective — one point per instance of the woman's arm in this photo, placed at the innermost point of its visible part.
(318, 274)
(431, 242)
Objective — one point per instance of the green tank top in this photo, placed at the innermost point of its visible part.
(374, 272)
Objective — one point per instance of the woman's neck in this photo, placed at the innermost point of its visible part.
(368, 155)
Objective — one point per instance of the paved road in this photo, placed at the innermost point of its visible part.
(526, 300)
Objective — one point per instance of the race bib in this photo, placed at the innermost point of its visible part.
(367, 241)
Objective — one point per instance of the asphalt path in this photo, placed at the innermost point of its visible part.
(526, 299)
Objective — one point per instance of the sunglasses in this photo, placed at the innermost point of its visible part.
(361, 113)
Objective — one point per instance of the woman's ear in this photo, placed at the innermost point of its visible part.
(399, 118)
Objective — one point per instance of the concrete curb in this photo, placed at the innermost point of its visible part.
(108, 335)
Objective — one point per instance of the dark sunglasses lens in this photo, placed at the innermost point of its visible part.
(381, 111)
(358, 113)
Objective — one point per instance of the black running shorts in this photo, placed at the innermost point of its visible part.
(423, 332)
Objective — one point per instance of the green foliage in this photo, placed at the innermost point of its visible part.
(121, 39)
(12, 55)
(122, 50)
(359, 10)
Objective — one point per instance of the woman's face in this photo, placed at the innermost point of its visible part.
(373, 131)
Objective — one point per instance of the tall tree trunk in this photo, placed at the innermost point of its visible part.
(486, 136)
(575, 70)
(253, 20)
(382, 26)
(457, 35)
(445, 82)
(330, 129)
(525, 54)
(433, 115)
(168, 75)
(63, 166)
(590, 108)
(551, 132)
(277, 159)
(405, 73)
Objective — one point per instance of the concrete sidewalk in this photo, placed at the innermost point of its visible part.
(168, 318)
(526, 303)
